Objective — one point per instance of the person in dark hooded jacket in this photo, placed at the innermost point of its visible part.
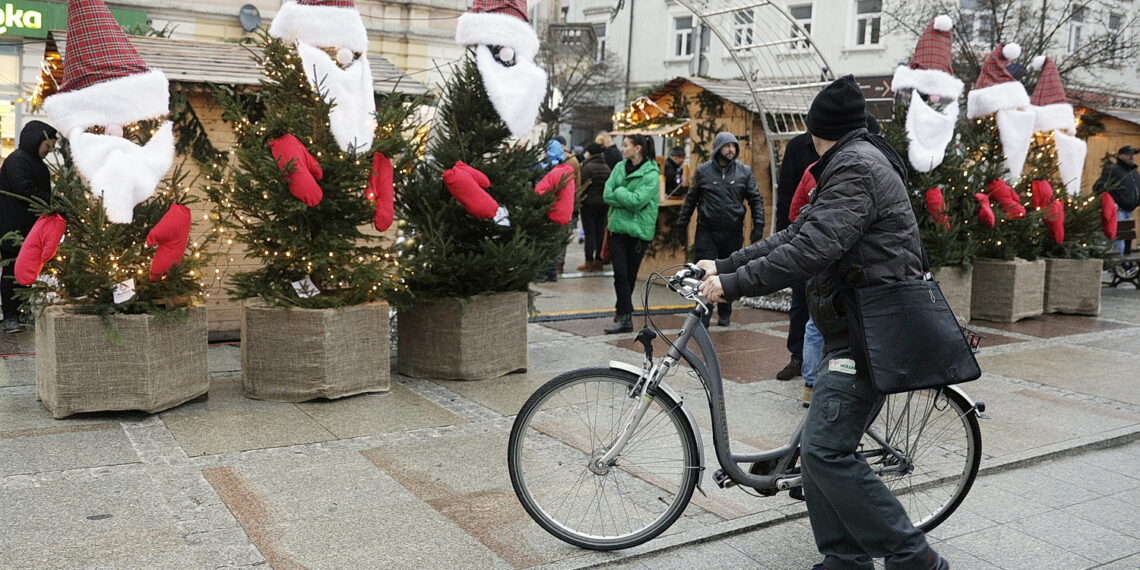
(858, 230)
(25, 175)
(721, 186)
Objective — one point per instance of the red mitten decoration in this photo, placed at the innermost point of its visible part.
(171, 235)
(306, 170)
(1006, 198)
(563, 208)
(40, 245)
(1108, 215)
(934, 206)
(985, 211)
(469, 187)
(382, 189)
(1041, 194)
(1055, 221)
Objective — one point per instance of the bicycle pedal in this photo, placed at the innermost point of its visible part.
(723, 480)
(796, 493)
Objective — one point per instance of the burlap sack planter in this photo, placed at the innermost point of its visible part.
(294, 355)
(1072, 286)
(475, 338)
(153, 367)
(957, 285)
(1007, 291)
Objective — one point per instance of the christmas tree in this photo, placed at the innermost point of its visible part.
(107, 268)
(302, 189)
(476, 221)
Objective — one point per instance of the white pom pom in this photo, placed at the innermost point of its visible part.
(344, 56)
(1037, 63)
(943, 23)
(113, 130)
(506, 54)
(1011, 51)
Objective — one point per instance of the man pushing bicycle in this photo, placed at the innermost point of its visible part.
(858, 230)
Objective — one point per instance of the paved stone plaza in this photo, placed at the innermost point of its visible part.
(416, 477)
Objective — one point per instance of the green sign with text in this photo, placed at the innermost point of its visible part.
(34, 19)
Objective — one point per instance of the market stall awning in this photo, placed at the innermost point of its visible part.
(215, 63)
(654, 130)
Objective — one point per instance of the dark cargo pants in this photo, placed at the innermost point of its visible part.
(854, 517)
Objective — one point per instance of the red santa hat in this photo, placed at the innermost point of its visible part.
(931, 71)
(321, 23)
(498, 23)
(1054, 113)
(105, 82)
(996, 88)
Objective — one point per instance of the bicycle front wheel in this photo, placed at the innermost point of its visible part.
(571, 422)
(925, 446)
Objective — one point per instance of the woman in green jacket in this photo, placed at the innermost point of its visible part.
(632, 193)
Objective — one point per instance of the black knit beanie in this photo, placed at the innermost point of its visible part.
(837, 110)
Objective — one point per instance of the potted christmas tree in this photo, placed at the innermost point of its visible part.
(314, 164)
(120, 323)
(1074, 239)
(943, 204)
(478, 226)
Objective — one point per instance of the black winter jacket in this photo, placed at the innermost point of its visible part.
(859, 227)
(719, 193)
(1122, 181)
(595, 172)
(25, 174)
(798, 155)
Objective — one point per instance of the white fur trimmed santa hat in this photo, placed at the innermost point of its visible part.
(1054, 113)
(105, 82)
(498, 23)
(321, 23)
(996, 88)
(931, 71)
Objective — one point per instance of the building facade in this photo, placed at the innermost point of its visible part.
(661, 39)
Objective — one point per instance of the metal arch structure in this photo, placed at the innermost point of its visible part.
(782, 66)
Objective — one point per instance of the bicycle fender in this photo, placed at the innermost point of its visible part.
(636, 371)
(973, 404)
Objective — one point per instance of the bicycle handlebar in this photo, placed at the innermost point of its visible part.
(686, 281)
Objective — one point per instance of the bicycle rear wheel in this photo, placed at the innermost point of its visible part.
(572, 420)
(925, 446)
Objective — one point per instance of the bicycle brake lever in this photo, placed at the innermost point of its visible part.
(645, 337)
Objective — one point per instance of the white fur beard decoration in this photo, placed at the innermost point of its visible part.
(1071, 153)
(120, 171)
(929, 132)
(349, 90)
(1015, 127)
(516, 91)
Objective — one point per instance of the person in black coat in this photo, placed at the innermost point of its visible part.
(594, 209)
(25, 175)
(798, 156)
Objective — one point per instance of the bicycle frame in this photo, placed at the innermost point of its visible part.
(707, 367)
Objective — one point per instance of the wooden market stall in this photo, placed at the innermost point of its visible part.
(1121, 127)
(689, 112)
(195, 70)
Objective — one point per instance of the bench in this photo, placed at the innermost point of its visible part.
(1125, 268)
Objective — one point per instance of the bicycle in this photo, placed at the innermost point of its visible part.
(608, 458)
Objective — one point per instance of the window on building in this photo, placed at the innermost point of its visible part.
(600, 36)
(868, 19)
(976, 25)
(743, 28)
(683, 36)
(1115, 26)
(1077, 28)
(802, 15)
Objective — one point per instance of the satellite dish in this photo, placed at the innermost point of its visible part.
(249, 17)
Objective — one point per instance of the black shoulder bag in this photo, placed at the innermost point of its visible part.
(905, 337)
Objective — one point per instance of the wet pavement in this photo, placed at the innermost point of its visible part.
(416, 477)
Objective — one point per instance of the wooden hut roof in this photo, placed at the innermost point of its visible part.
(218, 63)
(736, 91)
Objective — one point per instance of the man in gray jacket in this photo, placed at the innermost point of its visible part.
(857, 230)
(721, 186)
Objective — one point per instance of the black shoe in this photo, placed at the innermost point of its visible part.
(623, 324)
(12, 325)
(722, 321)
(791, 370)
